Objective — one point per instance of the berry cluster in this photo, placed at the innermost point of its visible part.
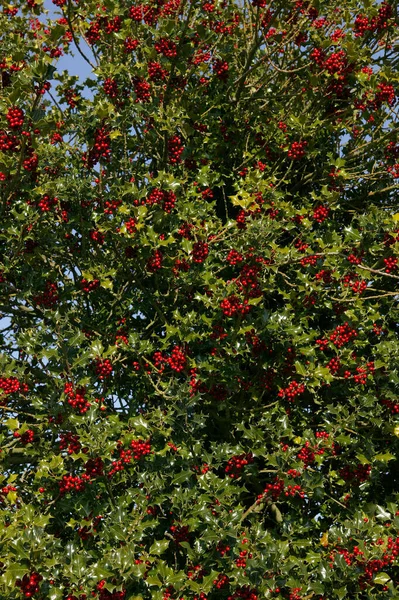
(101, 148)
(70, 443)
(245, 593)
(140, 448)
(11, 385)
(131, 226)
(156, 72)
(181, 533)
(232, 306)
(103, 368)
(291, 391)
(200, 252)
(391, 264)
(177, 360)
(154, 263)
(142, 89)
(94, 467)
(46, 203)
(166, 47)
(89, 286)
(334, 365)
(97, 236)
(110, 87)
(297, 150)
(15, 117)
(320, 214)
(76, 399)
(175, 149)
(8, 143)
(306, 455)
(221, 69)
(28, 437)
(221, 581)
(130, 44)
(29, 584)
(236, 464)
(70, 483)
(356, 474)
(391, 405)
(49, 297)
(234, 258)
(342, 335)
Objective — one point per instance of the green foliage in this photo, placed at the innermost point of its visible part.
(198, 278)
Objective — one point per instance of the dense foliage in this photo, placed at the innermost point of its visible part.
(198, 275)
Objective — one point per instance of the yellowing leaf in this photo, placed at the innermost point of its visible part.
(324, 539)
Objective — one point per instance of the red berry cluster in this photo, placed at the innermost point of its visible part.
(297, 150)
(181, 533)
(46, 203)
(94, 467)
(76, 399)
(70, 443)
(154, 263)
(232, 306)
(8, 143)
(166, 47)
(48, 298)
(309, 260)
(391, 264)
(320, 214)
(394, 170)
(221, 69)
(11, 385)
(393, 406)
(245, 593)
(89, 286)
(29, 584)
(142, 89)
(103, 368)
(236, 464)
(324, 275)
(248, 281)
(356, 257)
(15, 117)
(177, 360)
(130, 44)
(306, 455)
(222, 548)
(111, 206)
(97, 236)
(334, 365)
(342, 335)
(291, 391)
(28, 437)
(175, 149)
(131, 226)
(140, 448)
(336, 62)
(385, 94)
(200, 252)
(356, 474)
(110, 87)
(7, 489)
(125, 458)
(234, 258)
(101, 148)
(30, 163)
(156, 72)
(356, 284)
(70, 483)
(221, 581)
